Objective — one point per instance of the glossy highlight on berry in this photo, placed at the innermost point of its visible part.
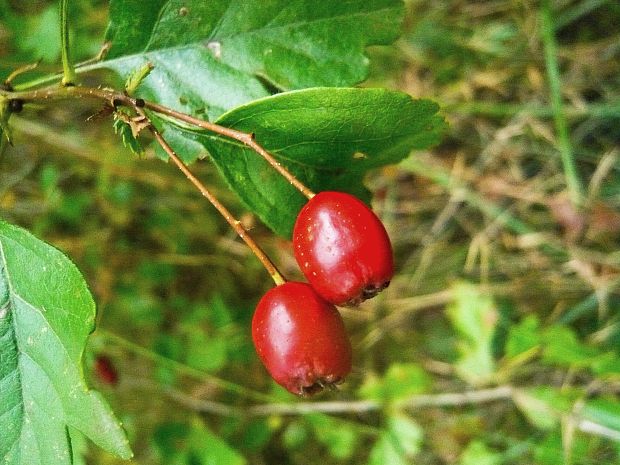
(342, 248)
(301, 339)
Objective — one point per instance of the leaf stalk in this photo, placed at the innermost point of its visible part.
(69, 77)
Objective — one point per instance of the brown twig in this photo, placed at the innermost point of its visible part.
(117, 98)
(232, 221)
(243, 137)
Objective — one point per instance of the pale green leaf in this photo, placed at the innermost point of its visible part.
(339, 438)
(606, 414)
(544, 406)
(209, 449)
(385, 451)
(523, 337)
(398, 443)
(46, 315)
(401, 380)
(477, 453)
(406, 433)
(561, 347)
(474, 315)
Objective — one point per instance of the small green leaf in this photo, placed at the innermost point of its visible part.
(561, 347)
(123, 127)
(193, 444)
(398, 443)
(385, 451)
(474, 315)
(46, 315)
(603, 412)
(607, 365)
(339, 438)
(206, 448)
(401, 380)
(328, 138)
(523, 337)
(544, 406)
(206, 352)
(407, 433)
(295, 435)
(551, 450)
(136, 77)
(538, 412)
(477, 453)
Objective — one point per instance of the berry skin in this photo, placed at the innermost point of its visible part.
(342, 248)
(301, 339)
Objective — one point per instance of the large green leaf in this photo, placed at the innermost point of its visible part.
(46, 315)
(211, 56)
(327, 137)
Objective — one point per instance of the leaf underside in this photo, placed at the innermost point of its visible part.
(46, 315)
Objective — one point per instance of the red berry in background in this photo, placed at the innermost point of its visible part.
(342, 248)
(301, 339)
(105, 370)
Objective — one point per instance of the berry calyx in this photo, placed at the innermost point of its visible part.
(301, 339)
(342, 248)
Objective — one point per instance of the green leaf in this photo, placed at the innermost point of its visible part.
(124, 130)
(477, 453)
(295, 435)
(193, 444)
(397, 443)
(206, 448)
(386, 451)
(538, 412)
(563, 348)
(46, 315)
(523, 337)
(329, 138)
(208, 56)
(339, 438)
(552, 449)
(543, 406)
(401, 380)
(406, 433)
(40, 35)
(474, 315)
(605, 413)
(607, 365)
(206, 352)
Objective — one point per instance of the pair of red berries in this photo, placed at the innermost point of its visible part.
(345, 254)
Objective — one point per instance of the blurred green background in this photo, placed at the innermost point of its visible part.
(504, 289)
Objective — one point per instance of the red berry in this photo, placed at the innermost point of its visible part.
(105, 370)
(301, 339)
(342, 248)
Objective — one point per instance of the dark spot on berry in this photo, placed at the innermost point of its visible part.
(367, 293)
